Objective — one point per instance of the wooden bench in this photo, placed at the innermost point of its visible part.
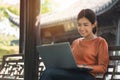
(113, 71)
(13, 66)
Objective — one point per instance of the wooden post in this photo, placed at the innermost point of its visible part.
(22, 26)
(29, 10)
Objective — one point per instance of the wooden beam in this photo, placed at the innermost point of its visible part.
(29, 10)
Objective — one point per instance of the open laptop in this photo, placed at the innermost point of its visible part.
(57, 55)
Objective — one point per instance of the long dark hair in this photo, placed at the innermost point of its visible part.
(90, 15)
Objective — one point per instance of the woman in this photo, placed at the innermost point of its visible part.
(89, 51)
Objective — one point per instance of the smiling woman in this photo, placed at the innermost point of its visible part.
(89, 50)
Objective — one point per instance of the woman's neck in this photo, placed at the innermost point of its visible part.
(90, 37)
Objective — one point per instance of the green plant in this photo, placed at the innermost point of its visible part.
(14, 9)
(3, 12)
(6, 39)
(46, 7)
(5, 50)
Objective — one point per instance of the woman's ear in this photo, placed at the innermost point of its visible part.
(95, 24)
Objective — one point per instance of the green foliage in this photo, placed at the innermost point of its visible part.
(5, 47)
(13, 9)
(3, 12)
(6, 39)
(46, 7)
(5, 50)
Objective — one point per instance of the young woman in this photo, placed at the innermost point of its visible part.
(89, 51)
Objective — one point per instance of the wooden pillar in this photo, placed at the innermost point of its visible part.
(29, 10)
(22, 26)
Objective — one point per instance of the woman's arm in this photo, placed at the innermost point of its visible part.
(102, 57)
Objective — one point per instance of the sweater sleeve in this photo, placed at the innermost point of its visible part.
(103, 58)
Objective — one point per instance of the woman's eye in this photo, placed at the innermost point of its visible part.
(85, 25)
(79, 24)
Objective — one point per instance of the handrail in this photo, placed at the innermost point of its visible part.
(112, 48)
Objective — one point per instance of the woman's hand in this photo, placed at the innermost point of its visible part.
(84, 66)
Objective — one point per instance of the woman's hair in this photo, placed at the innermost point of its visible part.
(90, 15)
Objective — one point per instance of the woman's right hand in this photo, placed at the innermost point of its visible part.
(84, 66)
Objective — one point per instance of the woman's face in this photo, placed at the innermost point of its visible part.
(85, 27)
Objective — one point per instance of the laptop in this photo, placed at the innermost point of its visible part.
(57, 55)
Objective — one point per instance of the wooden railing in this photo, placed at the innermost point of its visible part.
(13, 67)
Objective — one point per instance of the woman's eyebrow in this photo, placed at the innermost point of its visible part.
(83, 23)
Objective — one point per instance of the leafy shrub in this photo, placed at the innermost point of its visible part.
(6, 39)
(5, 50)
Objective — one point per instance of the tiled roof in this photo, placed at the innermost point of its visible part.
(71, 12)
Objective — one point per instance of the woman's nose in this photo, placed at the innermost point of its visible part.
(81, 28)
